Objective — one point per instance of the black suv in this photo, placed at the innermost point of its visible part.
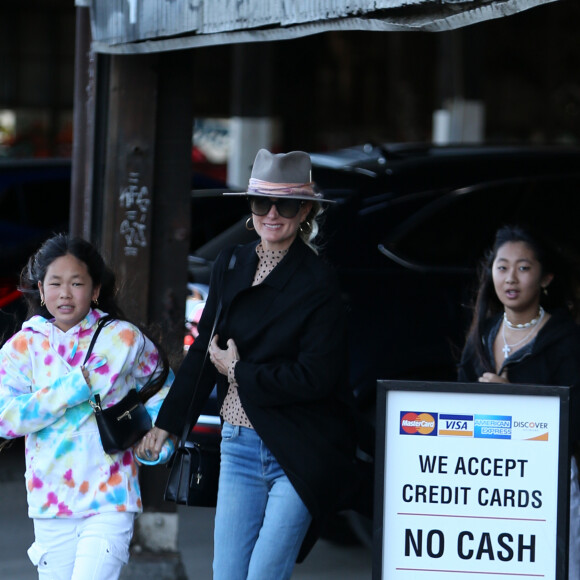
(406, 235)
(409, 228)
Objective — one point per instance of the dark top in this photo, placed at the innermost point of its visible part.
(553, 358)
(292, 375)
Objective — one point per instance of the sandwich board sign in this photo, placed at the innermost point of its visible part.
(471, 481)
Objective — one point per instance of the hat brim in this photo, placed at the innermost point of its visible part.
(281, 196)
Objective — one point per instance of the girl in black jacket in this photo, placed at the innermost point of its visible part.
(523, 331)
(279, 358)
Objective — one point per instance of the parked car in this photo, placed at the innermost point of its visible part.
(409, 227)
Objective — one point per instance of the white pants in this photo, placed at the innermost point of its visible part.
(93, 548)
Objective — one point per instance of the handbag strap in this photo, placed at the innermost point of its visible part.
(189, 423)
(102, 322)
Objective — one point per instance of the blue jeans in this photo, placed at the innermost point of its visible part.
(260, 520)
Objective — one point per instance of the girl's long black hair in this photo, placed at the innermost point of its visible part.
(61, 245)
(561, 293)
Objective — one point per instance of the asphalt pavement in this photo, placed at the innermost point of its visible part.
(328, 560)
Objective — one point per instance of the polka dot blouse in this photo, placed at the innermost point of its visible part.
(232, 410)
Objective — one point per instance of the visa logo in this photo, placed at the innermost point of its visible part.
(456, 425)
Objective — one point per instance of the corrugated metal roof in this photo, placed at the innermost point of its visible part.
(134, 26)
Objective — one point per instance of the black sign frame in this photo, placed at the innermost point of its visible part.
(563, 393)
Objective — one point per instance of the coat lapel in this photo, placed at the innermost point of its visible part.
(241, 276)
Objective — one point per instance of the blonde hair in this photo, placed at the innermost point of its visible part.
(309, 228)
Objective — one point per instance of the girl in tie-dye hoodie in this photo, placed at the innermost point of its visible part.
(82, 500)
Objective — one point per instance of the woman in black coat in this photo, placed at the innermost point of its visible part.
(523, 332)
(280, 361)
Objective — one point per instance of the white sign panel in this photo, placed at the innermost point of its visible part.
(470, 485)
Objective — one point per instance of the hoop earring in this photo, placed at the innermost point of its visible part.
(96, 301)
(545, 290)
(250, 224)
(42, 302)
(305, 227)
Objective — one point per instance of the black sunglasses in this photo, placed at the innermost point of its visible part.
(287, 208)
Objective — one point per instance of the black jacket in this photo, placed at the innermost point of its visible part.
(553, 358)
(292, 373)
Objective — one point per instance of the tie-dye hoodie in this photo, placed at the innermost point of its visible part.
(44, 396)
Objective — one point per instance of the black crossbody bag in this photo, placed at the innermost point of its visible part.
(193, 479)
(123, 424)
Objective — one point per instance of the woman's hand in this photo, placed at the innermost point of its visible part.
(493, 378)
(222, 359)
(151, 444)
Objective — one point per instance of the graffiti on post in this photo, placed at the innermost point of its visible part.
(134, 200)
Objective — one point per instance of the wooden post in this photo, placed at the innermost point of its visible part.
(83, 127)
(172, 198)
(128, 188)
(142, 219)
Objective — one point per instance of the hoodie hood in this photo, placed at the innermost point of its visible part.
(43, 325)
(64, 344)
(559, 327)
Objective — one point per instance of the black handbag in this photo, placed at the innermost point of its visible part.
(194, 476)
(193, 479)
(195, 466)
(123, 424)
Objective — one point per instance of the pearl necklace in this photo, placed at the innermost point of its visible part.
(507, 348)
(532, 322)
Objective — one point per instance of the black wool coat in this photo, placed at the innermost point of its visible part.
(292, 375)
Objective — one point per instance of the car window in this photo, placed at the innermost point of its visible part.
(212, 213)
(454, 231)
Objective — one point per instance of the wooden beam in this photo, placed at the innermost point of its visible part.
(128, 185)
(172, 199)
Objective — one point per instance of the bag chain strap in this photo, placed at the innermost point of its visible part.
(96, 405)
(189, 422)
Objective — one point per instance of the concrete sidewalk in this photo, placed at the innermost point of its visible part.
(327, 560)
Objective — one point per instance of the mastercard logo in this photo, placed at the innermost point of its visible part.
(418, 423)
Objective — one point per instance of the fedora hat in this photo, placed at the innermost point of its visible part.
(282, 175)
